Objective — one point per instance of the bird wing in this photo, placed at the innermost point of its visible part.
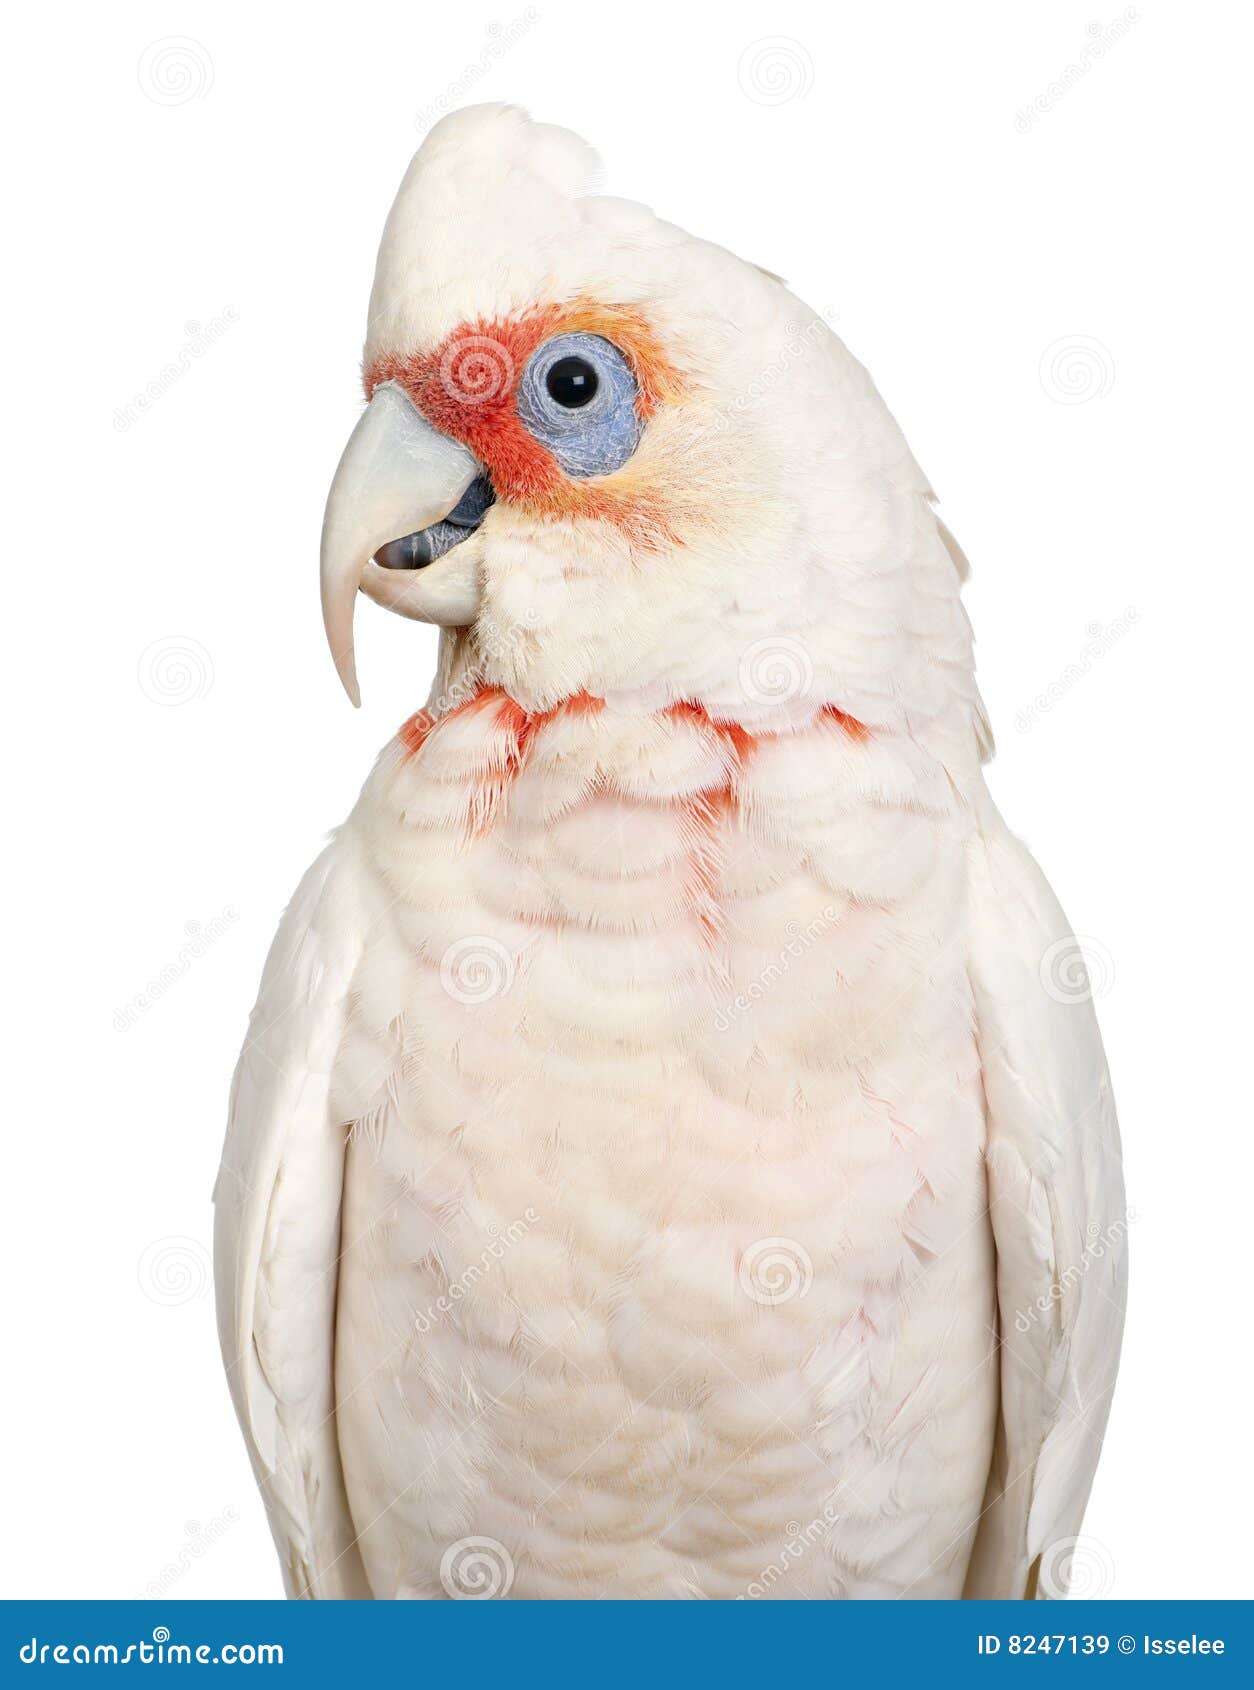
(277, 1231)
(1059, 1220)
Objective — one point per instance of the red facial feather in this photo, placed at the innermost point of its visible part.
(466, 388)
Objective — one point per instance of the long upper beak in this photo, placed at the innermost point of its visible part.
(397, 475)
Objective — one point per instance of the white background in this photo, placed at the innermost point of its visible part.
(1050, 282)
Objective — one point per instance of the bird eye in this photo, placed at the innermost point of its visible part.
(577, 396)
(571, 382)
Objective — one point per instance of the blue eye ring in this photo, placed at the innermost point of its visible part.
(577, 396)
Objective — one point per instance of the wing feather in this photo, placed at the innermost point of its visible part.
(1059, 1218)
(277, 1231)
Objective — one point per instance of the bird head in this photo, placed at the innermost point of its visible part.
(616, 460)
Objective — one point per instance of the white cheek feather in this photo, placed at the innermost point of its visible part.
(657, 1144)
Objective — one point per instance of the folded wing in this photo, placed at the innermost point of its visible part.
(277, 1232)
(1059, 1218)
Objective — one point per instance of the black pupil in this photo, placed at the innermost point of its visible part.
(571, 382)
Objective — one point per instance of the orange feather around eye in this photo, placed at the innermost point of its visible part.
(467, 385)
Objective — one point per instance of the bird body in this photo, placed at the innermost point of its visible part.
(657, 1144)
(706, 1318)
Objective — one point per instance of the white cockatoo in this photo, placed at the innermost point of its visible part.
(673, 1154)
